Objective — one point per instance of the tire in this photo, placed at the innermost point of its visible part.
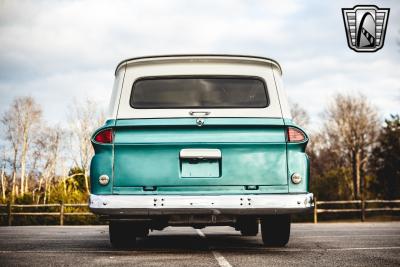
(249, 228)
(124, 234)
(275, 230)
(140, 230)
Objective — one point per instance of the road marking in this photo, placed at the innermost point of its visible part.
(200, 233)
(218, 256)
(220, 259)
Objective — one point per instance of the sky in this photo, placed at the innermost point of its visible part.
(64, 51)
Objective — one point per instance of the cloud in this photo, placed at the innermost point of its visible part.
(54, 50)
(315, 81)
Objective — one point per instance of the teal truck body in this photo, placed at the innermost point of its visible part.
(164, 157)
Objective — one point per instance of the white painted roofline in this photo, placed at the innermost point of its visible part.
(200, 57)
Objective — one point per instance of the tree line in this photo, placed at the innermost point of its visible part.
(353, 154)
(44, 163)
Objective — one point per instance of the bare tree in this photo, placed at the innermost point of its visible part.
(49, 145)
(51, 162)
(3, 171)
(84, 119)
(30, 115)
(299, 115)
(19, 121)
(351, 127)
(13, 135)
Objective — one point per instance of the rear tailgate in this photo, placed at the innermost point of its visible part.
(156, 153)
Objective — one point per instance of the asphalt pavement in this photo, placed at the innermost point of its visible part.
(323, 244)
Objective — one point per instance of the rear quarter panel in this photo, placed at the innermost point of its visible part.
(298, 161)
(102, 163)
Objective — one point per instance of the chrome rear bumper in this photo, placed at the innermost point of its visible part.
(121, 205)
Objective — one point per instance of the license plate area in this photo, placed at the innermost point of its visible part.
(200, 163)
(194, 168)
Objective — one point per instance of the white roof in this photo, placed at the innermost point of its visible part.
(199, 58)
(128, 71)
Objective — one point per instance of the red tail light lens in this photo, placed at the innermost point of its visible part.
(295, 135)
(104, 136)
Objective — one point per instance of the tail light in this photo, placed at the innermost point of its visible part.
(104, 136)
(295, 135)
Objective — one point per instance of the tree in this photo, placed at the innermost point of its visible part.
(84, 119)
(330, 175)
(19, 121)
(29, 115)
(350, 129)
(48, 151)
(299, 115)
(386, 160)
(77, 174)
(13, 135)
(3, 174)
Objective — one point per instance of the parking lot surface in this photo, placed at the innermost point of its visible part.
(323, 244)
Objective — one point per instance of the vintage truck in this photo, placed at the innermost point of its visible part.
(199, 140)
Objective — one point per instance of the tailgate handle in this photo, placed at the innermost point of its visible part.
(199, 153)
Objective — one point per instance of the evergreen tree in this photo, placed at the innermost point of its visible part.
(386, 160)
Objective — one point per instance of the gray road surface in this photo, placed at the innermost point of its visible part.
(324, 244)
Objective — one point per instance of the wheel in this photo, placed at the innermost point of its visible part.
(120, 234)
(139, 229)
(124, 234)
(275, 230)
(249, 227)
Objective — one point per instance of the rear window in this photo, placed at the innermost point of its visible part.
(199, 92)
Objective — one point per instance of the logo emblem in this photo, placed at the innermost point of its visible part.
(365, 27)
(199, 122)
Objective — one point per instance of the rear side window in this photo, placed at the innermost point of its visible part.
(199, 92)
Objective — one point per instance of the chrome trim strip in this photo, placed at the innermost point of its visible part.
(219, 204)
(200, 153)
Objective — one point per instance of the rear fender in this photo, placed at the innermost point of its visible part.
(102, 163)
(298, 161)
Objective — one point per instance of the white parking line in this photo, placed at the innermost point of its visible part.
(218, 256)
(200, 233)
(221, 260)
